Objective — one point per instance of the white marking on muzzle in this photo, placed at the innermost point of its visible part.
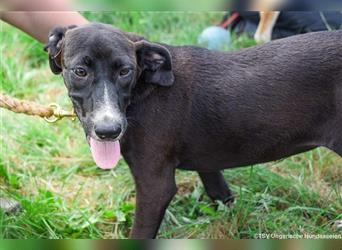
(107, 110)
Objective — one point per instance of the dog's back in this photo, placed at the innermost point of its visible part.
(255, 105)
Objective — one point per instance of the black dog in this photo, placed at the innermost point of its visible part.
(191, 108)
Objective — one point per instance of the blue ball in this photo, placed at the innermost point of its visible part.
(215, 38)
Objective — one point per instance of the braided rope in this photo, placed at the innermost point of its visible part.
(25, 107)
(53, 112)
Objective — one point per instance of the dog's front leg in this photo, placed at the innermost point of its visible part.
(155, 188)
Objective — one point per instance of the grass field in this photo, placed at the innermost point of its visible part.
(48, 168)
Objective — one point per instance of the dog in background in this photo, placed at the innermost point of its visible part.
(268, 18)
(267, 21)
(274, 19)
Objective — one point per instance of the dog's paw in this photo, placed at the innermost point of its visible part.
(10, 206)
(338, 225)
(229, 201)
(262, 38)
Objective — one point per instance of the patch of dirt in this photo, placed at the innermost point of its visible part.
(321, 181)
(186, 187)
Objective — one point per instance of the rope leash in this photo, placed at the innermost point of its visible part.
(51, 114)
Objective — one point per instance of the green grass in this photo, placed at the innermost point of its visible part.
(48, 168)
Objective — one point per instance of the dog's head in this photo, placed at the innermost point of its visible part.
(100, 66)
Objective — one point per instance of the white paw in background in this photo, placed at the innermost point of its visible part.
(338, 225)
(9, 206)
(262, 38)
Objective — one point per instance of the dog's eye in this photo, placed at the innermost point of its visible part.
(80, 72)
(125, 71)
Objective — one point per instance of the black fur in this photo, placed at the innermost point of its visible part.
(207, 111)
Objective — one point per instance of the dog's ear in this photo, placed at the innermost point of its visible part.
(155, 62)
(54, 47)
(133, 37)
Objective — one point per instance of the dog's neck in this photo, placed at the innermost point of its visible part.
(141, 91)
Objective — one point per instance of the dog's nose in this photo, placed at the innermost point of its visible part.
(107, 131)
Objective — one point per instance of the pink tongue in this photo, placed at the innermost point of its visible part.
(106, 154)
